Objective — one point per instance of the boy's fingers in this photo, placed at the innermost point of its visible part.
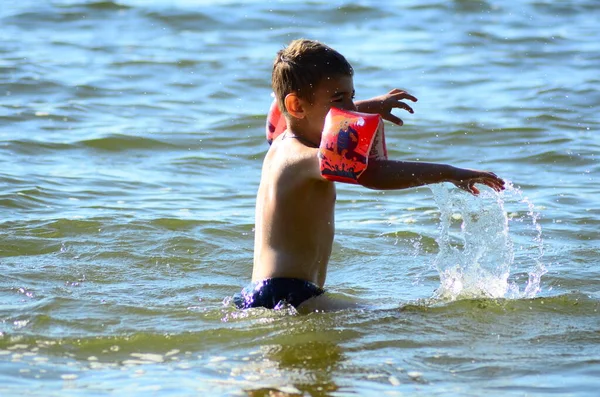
(402, 105)
(400, 94)
(496, 184)
(469, 188)
(393, 119)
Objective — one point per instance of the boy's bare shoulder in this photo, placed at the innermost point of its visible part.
(293, 156)
(293, 151)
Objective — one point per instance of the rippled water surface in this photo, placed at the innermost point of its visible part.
(131, 141)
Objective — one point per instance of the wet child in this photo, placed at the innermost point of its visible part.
(295, 203)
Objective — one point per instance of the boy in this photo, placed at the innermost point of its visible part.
(295, 203)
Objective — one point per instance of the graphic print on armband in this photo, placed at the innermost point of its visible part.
(347, 144)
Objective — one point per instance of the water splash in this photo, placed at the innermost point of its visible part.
(477, 254)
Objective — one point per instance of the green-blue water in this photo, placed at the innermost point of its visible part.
(131, 142)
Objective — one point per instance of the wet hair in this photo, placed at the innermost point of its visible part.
(302, 65)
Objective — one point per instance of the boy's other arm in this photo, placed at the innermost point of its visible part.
(384, 104)
(390, 174)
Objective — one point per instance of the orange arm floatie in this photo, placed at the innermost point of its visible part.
(275, 122)
(349, 140)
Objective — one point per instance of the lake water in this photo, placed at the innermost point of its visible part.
(131, 142)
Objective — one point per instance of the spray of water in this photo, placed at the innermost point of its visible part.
(476, 256)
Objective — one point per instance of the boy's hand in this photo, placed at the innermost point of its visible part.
(466, 180)
(384, 104)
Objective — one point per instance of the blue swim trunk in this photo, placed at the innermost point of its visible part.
(270, 292)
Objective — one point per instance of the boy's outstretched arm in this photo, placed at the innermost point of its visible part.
(390, 174)
(384, 104)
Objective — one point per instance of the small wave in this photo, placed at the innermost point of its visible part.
(360, 10)
(118, 143)
(182, 224)
(554, 158)
(564, 9)
(574, 303)
(32, 85)
(105, 5)
(26, 196)
(179, 63)
(234, 329)
(184, 19)
(113, 143)
(25, 19)
(28, 146)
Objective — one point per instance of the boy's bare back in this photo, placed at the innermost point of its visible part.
(294, 214)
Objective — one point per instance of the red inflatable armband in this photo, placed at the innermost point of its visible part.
(349, 140)
(275, 122)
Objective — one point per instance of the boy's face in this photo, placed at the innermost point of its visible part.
(331, 92)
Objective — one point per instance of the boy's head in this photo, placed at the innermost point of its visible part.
(302, 66)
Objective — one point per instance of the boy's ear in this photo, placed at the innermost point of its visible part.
(293, 105)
